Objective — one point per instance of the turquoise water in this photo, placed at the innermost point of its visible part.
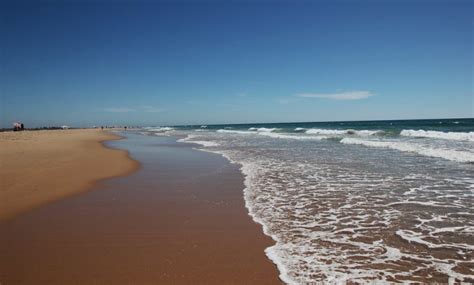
(355, 201)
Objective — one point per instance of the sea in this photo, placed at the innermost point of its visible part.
(355, 202)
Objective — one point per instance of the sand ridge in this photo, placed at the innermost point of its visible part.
(37, 167)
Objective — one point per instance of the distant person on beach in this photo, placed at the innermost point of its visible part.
(102, 127)
(16, 126)
(22, 127)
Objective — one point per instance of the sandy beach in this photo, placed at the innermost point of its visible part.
(179, 219)
(37, 167)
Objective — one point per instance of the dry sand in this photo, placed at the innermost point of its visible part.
(37, 167)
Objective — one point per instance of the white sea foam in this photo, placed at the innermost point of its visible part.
(429, 204)
(226, 131)
(204, 143)
(159, 129)
(458, 136)
(269, 133)
(294, 237)
(308, 134)
(449, 154)
(325, 132)
(344, 132)
(335, 220)
(365, 132)
(265, 130)
(192, 139)
(412, 236)
(293, 137)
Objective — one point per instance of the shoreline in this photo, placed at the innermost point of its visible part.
(180, 219)
(40, 167)
(282, 272)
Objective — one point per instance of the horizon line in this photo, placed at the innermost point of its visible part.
(252, 123)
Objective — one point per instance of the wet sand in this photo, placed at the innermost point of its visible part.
(38, 167)
(180, 219)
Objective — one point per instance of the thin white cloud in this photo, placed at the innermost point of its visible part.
(118, 110)
(341, 96)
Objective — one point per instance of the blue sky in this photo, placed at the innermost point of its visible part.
(161, 63)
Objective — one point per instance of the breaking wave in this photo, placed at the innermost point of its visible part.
(235, 132)
(344, 132)
(458, 136)
(266, 130)
(192, 139)
(159, 129)
(449, 154)
(270, 133)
